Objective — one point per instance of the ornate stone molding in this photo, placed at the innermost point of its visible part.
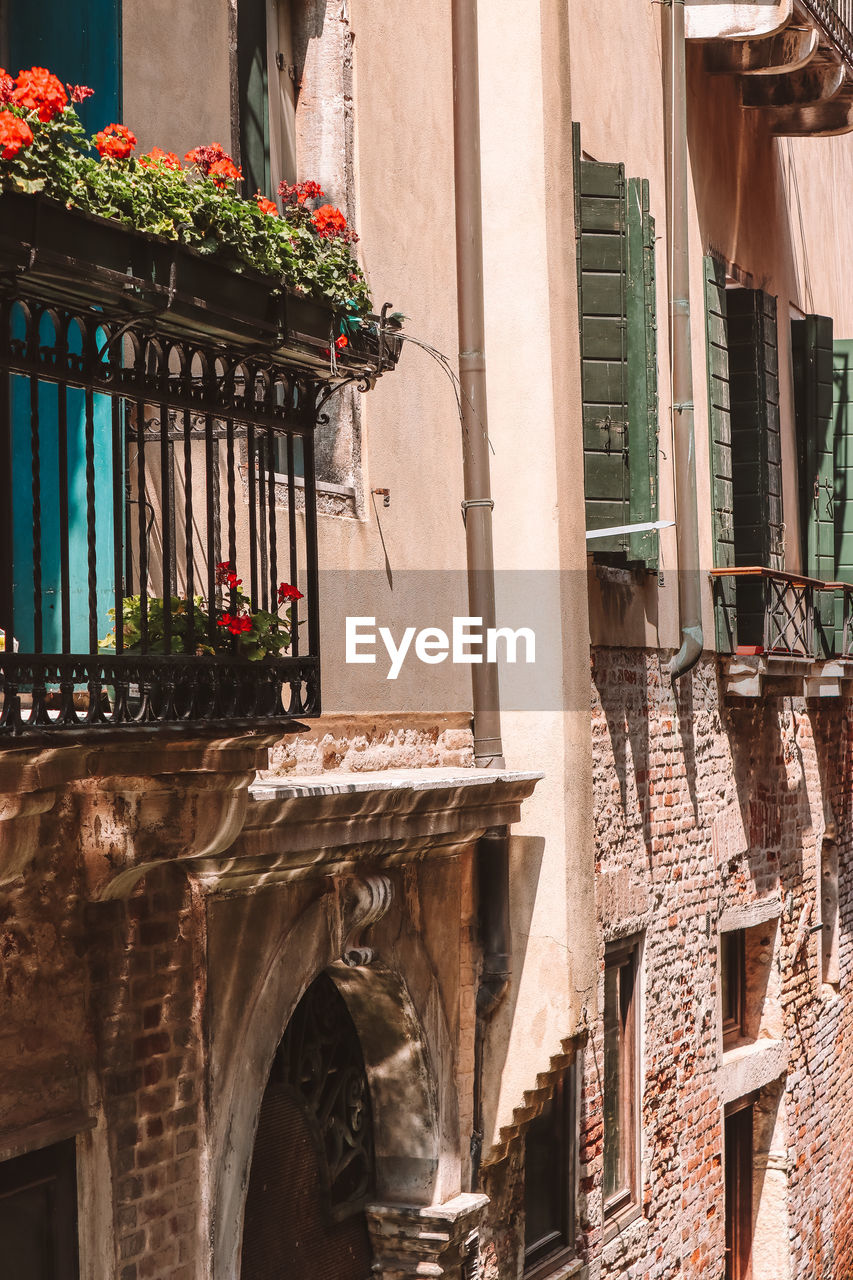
(367, 900)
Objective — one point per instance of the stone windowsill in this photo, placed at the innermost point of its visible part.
(748, 1067)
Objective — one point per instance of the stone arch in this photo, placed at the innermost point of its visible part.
(409, 1129)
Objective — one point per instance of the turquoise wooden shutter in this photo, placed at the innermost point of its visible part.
(80, 43)
(642, 372)
(253, 85)
(602, 250)
(811, 342)
(719, 415)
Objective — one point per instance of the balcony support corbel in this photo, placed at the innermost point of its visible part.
(787, 51)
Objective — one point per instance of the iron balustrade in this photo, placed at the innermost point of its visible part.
(770, 612)
(836, 17)
(133, 464)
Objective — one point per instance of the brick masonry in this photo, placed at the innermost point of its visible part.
(702, 807)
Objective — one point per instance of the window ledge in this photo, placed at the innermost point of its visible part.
(614, 1231)
(556, 1268)
(748, 1067)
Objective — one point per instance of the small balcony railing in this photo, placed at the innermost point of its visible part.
(157, 486)
(765, 611)
(773, 613)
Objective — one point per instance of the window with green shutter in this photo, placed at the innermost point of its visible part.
(811, 346)
(746, 455)
(616, 294)
(842, 441)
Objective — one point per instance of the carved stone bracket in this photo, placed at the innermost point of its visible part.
(367, 900)
(441, 1240)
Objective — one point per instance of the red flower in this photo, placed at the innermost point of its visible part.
(222, 571)
(287, 592)
(329, 222)
(115, 142)
(7, 84)
(39, 90)
(79, 92)
(214, 162)
(341, 342)
(236, 623)
(224, 171)
(299, 192)
(159, 159)
(265, 205)
(14, 134)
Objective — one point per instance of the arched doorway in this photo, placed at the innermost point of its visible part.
(312, 1168)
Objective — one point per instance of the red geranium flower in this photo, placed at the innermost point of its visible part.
(265, 205)
(15, 133)
(157, 158)
(7, 85)
(39, 90)
(115, 142)
(236, 623)
(287, 592)
(79, 92)
(222, 172)
(299, 192)
(214, 162)
(341, 342)
(204, 157)
(328, 221)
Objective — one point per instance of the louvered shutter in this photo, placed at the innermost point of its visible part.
(641, 306)
(602, 249)
(811, 341)
(722, 496)
(842, 432)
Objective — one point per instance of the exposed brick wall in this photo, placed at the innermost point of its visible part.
(674, 784)
(146, 1001)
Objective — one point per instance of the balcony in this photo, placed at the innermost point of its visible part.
(159, 562)
(793, 58)
(783, 632)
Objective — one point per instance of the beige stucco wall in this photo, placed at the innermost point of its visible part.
(177, 93)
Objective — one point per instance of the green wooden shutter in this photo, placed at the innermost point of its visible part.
(642, 372)
(602, 250)
(842, 438)
(811, 343)
(756, 448)
(253, 86)
(719, 413)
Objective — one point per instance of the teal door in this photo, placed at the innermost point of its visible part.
(81, 43)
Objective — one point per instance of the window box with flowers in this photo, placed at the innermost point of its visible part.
(166, 349)
(91, 221)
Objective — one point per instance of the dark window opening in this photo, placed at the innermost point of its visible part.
(733, 985)
(549, 1178)
(738, 1155)
(621, 1082)
(38, 1214)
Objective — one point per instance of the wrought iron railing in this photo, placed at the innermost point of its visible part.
(766, 611)
(137, 466)
(836, 16)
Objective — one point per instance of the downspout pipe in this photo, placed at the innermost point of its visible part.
(687, 516)
(492, 862)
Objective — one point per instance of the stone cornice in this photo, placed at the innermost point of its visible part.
(333, 823)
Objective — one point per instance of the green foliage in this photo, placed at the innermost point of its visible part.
(265, 634)
(183, 204)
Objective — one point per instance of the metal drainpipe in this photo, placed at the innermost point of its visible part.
(687, 517)
(492, 865)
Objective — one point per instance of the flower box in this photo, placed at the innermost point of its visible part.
(66, 255)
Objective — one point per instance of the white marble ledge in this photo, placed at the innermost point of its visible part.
(296, 787)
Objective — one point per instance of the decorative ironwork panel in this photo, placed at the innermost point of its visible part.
(320, 1057)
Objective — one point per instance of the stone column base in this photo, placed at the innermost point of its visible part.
(436, 1241)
